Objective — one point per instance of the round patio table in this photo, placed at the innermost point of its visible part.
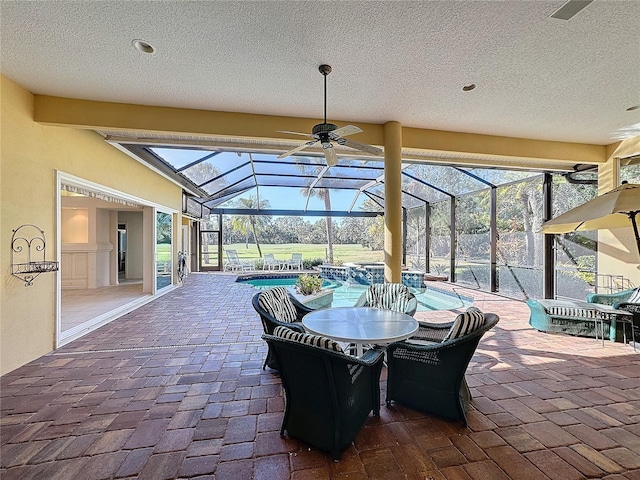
(360, 325)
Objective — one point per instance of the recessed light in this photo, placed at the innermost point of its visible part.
(143, 46)
(631, 109)
(468, 88)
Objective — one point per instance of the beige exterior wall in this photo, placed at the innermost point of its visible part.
(617, 250)
(30, 155)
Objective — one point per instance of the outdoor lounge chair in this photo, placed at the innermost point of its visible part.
(234, 263)
(328, 394)
(427, 372)
(277, 307)
(270, 262)
(389, 296)
(295, 261)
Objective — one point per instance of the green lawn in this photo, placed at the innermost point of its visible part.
(345, 253)
(163, 252)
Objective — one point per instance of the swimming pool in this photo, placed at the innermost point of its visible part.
(346, 294)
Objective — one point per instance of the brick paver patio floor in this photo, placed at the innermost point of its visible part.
(175, 389)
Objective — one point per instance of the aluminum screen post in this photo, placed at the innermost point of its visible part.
(493, 255)
(427, 236)
(548, 261)
(453, 239)
(404, 236)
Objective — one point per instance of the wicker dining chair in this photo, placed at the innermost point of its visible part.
(277, 307)
(427, 372)
(328, 394)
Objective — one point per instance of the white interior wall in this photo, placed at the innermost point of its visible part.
(103, 247)
(134, 258)
(75, 225)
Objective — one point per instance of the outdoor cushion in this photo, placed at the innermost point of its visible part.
(635, 296)
(390, 296)
(307, 338)
(276, 302)
(568, 308)
(465, 323)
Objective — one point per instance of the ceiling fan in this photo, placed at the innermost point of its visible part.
(325, 133)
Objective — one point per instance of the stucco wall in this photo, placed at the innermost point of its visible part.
(30, 155)
(617, 250)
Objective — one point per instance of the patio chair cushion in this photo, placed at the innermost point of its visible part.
(276, 302)
(635, 296)
(560, 308)
(465, 323)
(390, 296)
(307, 338)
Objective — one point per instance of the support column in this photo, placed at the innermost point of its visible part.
(393, 202)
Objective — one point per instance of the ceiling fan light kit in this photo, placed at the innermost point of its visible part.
(325, 133)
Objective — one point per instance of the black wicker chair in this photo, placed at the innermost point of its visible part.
(328, 395)
(384, 295)
(427, 373)
(274, 315)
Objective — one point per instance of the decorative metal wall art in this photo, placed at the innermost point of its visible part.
(28, 249)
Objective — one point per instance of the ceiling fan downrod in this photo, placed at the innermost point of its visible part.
(325, 70)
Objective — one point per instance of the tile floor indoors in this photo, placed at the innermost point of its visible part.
(175, 389)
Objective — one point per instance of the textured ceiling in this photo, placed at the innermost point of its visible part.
(537, 77)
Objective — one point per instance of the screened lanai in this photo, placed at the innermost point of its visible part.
(478, 227)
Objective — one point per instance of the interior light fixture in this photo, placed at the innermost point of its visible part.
(631, 109)
(469, 87)
(143, 46)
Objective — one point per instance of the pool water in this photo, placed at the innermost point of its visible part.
(346, 294)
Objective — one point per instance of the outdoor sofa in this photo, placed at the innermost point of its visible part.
(582, 318)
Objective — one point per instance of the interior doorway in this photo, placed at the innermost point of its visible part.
(122, 251)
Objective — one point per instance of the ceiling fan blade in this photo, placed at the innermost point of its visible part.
(297, 149)
(344, 131)
(360, 146)
(296, 133)
(329, 154)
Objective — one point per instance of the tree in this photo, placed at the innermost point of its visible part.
(351, 230)
(253, 223)
(416, 225)
(324, 194)
(376, 233)
(164, 227)
(203, 172)
(371, 228)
